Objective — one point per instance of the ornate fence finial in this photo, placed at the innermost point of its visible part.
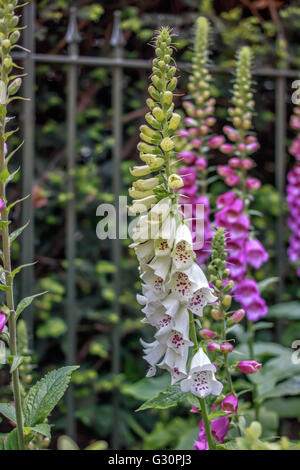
(72, 34)
(117, 38)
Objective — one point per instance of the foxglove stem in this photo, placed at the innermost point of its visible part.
(210, 439)
(9, 293)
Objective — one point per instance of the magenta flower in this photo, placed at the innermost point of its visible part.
(256, 255)
(246, 291)
(238, 315)
(213, 347)
(230, 404)
(207, 334)
(232, 179)
(2, 320)
(226, 148)
(183, 133)
(194, 410)
(187, 157)
(256, 309)
(226, 348)
(224, 170)
(201, 163)
(216, 141)
(247, 163)
(234, 162)
(253, 183)
(188, 175)
(237, 266)
(196, 143)
(239, 229)
(249, 367)
(225, 199)
(219, 429)
(233, 211)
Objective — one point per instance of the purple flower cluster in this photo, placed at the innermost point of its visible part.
(293, 194)
(244, 252)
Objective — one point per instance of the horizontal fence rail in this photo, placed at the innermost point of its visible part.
(117, 63)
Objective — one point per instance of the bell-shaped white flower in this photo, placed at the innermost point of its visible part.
(153, 352)
(183, 255)
(161, 266)
(200, 299)
(164, 243)
(185, 283)
(175, 364)
(201, 380)
(144, 251)
(156, 282)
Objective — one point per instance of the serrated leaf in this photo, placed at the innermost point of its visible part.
(45, 394)
(26, 302)
(43, 429)
(168, 398)
(8, 411)
(17, 232)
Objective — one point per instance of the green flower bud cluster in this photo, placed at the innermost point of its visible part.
(199, 79)
(242, 112)
(9, 36)
(156, 146)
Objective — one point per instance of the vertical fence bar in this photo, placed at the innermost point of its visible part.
(72, 38)
(117, 104)
(280, 167)
(27, 240)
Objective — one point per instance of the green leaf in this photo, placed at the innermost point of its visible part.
(11, 442)
(285, 407)
(45, 394)
(17, 232)
(17, 202)
(8, 411)
(13, 152)
(15, 362)
(285, 310)
(19, 268)
(288, 387)
(146, 388)
(168, 398)
(4, 175)
(26, 302)
(262, 285)
(44, 429)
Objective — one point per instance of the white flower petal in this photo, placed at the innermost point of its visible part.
(161, 266)
(200, 299)
(183, 254)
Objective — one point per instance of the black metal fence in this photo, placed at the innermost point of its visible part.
(118, 66)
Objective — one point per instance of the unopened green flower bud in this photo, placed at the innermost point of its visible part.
(175, 181)
(143, 185)
(14, 37)
(167, 97)
(152, 121)
(12, 23)
(14, 86)
(219, 283)
(6, 45)
(226, 301)
(140, 170)
(228, 287)
(145, 148)
(167, 144)
(172, 84)
(216, 314)
(158, 114)
(154, 93)
(171, 72)
(174, 121)
(7, 63)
